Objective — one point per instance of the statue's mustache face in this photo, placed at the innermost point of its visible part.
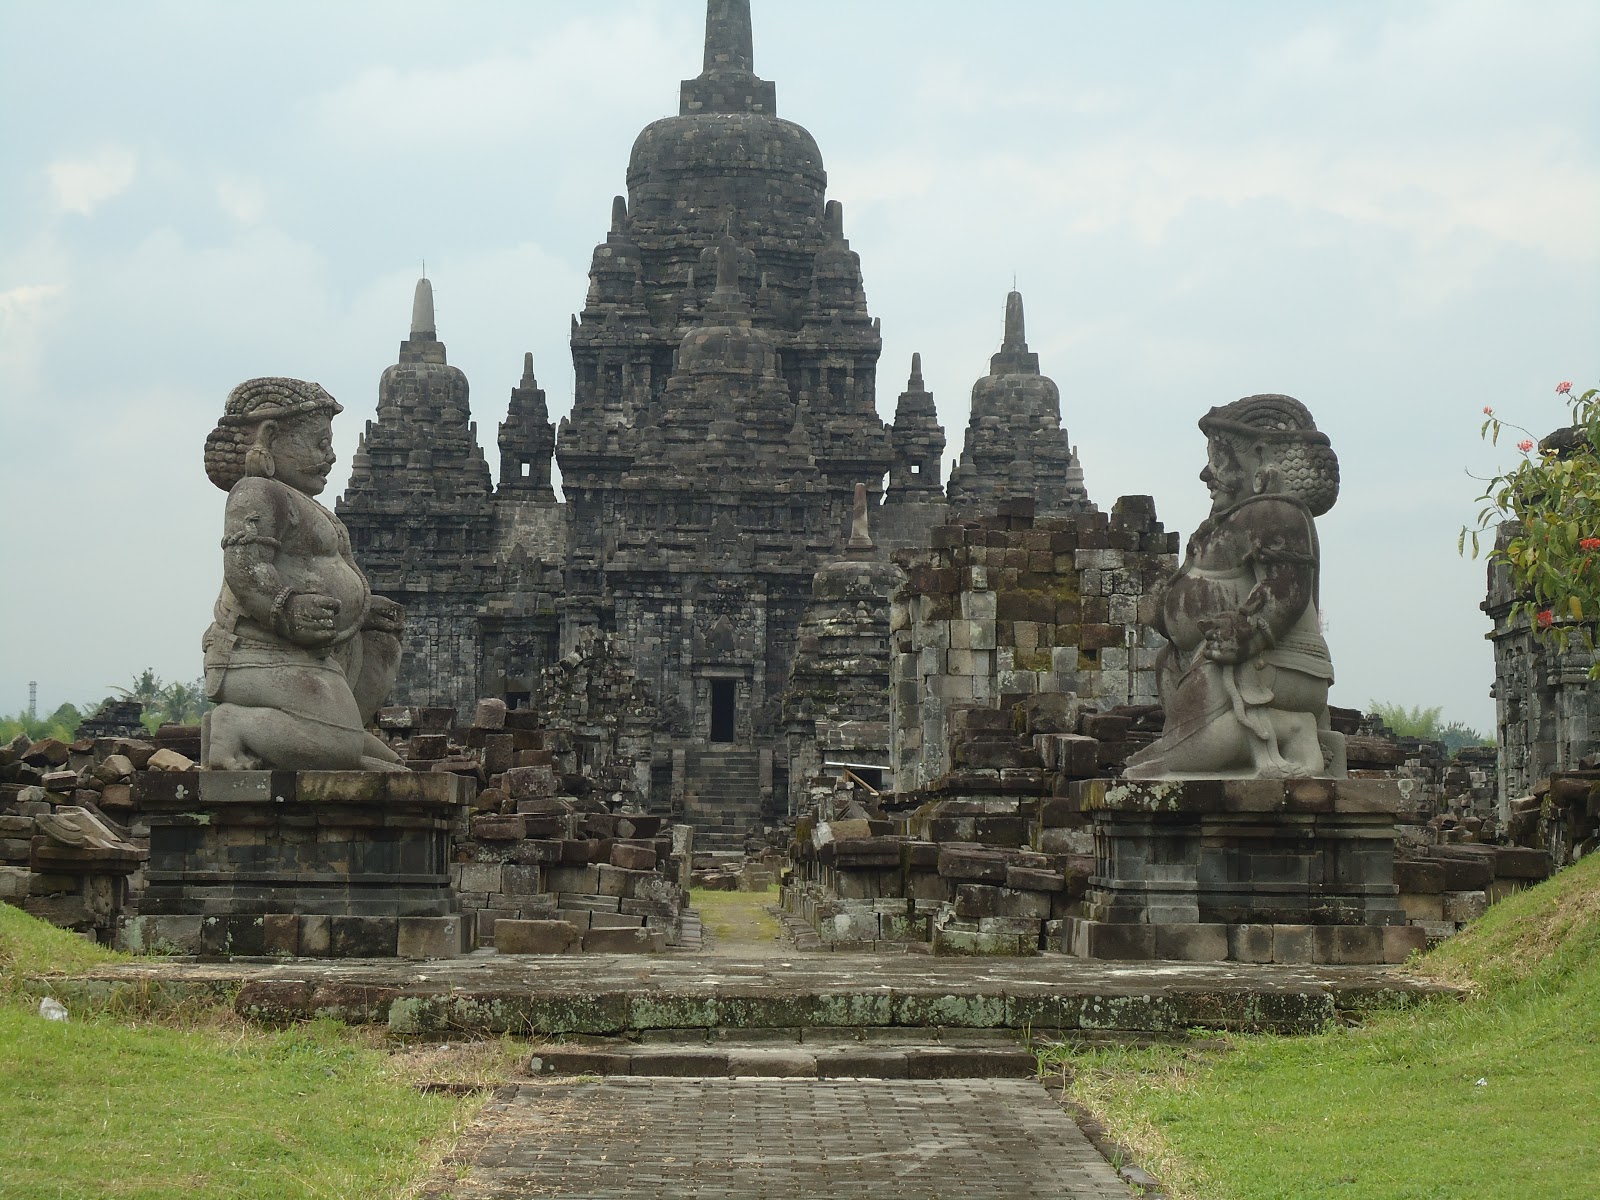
(303, 454)
(1224, 476)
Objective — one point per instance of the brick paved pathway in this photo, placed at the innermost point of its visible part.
(771, 1139)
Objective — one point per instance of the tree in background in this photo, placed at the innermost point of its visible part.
(164, 704)
(61, 725)
(1553, 495)
(1424, 723)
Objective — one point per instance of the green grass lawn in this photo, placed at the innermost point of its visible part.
(99, 1107)
(1495, 1096)
(737, 918)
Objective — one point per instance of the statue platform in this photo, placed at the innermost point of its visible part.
(331, 864)
(1248, 870)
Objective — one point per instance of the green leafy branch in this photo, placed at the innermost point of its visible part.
(1553, 496)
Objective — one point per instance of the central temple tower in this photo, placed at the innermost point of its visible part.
(724, 410)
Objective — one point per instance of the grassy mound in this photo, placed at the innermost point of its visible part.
(33, 947)
(1491, 1096)
(97, 1106)
(1541, 938)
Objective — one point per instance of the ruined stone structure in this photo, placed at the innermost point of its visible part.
(474, 567)
(725, 409)
(1547, 709)
(836, 706)
(1012, 607)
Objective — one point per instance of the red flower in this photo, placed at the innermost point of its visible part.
(1564, 387)
(1487, 411)
(1525, 445)
(1545, 618)
(1589, 543)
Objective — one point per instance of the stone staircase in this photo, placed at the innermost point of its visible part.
(831, 1054)
(725, 799)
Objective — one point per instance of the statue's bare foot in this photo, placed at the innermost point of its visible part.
(241, 761)
(372, 763)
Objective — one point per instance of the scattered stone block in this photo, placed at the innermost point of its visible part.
(1465, 905)
(167, 759)
(535, 937)
(632, 858)
(431, 937)
(624, 941)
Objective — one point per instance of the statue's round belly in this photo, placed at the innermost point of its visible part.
(330, 575)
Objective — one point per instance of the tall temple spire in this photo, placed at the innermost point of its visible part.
(728, 82)
(422, 323)
(1014, 338)
(1014, 357)
(730, 45)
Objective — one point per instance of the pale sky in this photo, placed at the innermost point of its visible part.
(1388, 210)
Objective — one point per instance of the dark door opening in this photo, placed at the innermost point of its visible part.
(722, 710)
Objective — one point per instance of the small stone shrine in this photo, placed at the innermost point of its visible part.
(1237, 833)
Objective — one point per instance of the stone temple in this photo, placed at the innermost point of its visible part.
(725, 408)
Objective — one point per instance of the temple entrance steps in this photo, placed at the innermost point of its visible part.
(723, 797)
(786, 1054)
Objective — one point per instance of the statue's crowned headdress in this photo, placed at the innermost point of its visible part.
(1303, 457)
(230, 445)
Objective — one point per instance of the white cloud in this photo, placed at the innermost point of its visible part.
(24, 310)
(546, 86)
(24, 302)
(242, 199)
(81, 185)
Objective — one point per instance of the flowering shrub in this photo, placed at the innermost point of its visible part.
(1554, 496)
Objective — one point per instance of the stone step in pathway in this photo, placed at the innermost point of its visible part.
(776, 1139)
(692, 937)
(615, 995)
(852, 1059)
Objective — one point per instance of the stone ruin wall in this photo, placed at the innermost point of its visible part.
(1009, 607)
(1547, 710)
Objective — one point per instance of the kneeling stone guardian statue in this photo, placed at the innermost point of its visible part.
(300, 653)
(1245, 675)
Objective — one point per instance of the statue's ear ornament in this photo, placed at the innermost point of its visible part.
(258, 463)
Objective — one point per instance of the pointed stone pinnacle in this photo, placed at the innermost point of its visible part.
(730, 43)
(1015, 338)
(860, 533)
(833, 220)
(422, 323)
(619, 213)
(527, 370)
(914, 384)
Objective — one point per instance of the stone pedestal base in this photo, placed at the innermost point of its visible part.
(1251, 870)
(340, 864)
(1354, 945)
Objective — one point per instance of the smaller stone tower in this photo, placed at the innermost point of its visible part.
(420, 512)
(1015, 446)
(917, 439)
(527, 441)
(836, 704)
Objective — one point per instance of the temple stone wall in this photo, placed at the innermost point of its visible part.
(1009, 607)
